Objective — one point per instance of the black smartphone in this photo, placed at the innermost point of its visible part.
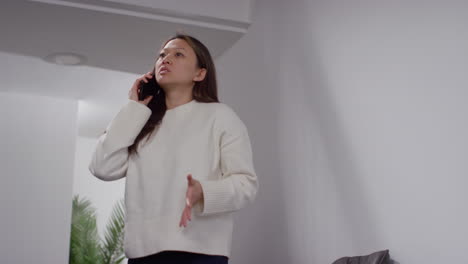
(150, 88)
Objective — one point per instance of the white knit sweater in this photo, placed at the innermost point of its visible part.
(207, 140)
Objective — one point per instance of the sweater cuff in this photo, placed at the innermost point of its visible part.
(216, 196)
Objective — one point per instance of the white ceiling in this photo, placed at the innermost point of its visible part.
(119, 38)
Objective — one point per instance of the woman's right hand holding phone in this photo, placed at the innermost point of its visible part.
(133, 93)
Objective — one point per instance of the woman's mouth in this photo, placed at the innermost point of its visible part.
(164, 70)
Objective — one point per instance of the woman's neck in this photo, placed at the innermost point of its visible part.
(178, 97)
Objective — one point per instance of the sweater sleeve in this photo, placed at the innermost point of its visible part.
(109, 161)
(238, 185)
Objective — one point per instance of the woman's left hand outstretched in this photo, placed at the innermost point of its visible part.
(193, 195)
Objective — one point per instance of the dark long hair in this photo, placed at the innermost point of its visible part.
(203, 91)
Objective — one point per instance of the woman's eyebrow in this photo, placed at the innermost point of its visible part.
(171, 48)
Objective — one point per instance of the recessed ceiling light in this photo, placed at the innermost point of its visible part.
(65, 58)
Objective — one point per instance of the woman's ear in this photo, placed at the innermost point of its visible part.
(200, 75)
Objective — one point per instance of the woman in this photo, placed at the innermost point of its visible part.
(187, 160)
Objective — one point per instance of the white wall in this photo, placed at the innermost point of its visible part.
(358, 120)
(37, 144)
(248, 82)
(376, 95)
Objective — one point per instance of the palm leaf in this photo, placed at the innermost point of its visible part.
(112, 249)
(85, 245)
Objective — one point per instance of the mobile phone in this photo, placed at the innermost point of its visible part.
(150, 88)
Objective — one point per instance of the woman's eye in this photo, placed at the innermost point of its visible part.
(178, 54)
(161, 55)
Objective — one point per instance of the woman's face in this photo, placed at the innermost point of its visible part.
(177, 65)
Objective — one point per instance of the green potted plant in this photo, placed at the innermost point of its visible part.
(86, 247)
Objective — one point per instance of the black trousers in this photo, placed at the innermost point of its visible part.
(179, 257)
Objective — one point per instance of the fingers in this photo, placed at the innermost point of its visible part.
(147, 100)
(190, 179)
(189, 214)
(188, 197)
(144, 78)
(147, 76)
(182, 221)
(186, 216)
(133, 93)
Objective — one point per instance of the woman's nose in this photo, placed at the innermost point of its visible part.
(166, 60)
